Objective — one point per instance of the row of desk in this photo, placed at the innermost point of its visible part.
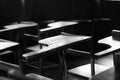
(59, 43)
(14, 70)
(63, 43)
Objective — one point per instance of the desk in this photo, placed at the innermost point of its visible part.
(20, 25)
(85, 70)
(62, 24)
(58, 25)
(19, 30)
(5, 44)
(115, 45)
(57, 43)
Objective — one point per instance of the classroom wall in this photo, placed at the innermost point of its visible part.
(11, 10)
(47, 9)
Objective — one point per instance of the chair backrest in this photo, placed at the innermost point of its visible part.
(101, 28)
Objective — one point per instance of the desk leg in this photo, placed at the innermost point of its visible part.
(63, 66)
(60, 66)
(92, 47)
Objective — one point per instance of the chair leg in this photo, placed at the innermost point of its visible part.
(41, 66)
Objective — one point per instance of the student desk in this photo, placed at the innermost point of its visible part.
(62, 25)
(85, 70)
(6, 44)
(9, 45)
(22, 31)
(110, 74)
(20, 25)
(59, 44)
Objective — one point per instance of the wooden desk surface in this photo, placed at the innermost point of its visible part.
(20, 25)
(63, 39)
(111, 41)
(4, 44)
(115, 45)
(57, 42)
(58, 24)
(109, 74)
(62, 23)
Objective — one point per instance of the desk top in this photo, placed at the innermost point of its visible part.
(57, 42)
(63, 39)
(58, 24)
(115, 45)
(111, 41)
(62, 23)
(4, 44)
(20, 25)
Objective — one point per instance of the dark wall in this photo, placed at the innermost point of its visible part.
(50, 9)
(11, 10)
(111, 9)
(61, 9)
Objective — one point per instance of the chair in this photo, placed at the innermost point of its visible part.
(31, 62)
(46, 47)
(97, 33)
(19, 31)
